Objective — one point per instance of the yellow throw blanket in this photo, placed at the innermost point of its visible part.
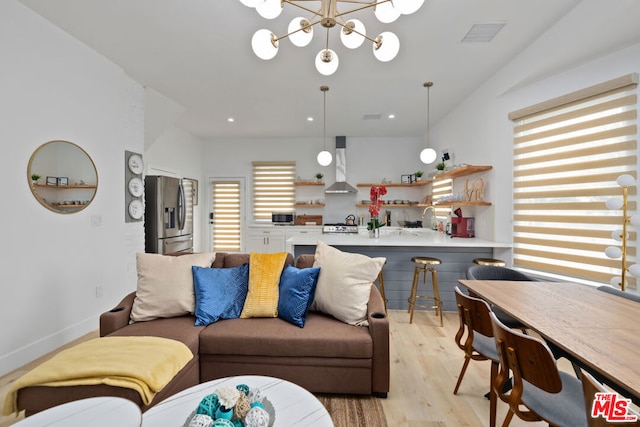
(144, 364)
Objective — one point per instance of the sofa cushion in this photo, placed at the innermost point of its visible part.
(322, 336)
(177, 328)
(165, 285)
(345, 283)
(297, 287)
(220, 292)
(264, 276)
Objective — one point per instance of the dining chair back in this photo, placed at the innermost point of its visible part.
(490, 272)
(475, 338)
(614, 291)
(540, 391)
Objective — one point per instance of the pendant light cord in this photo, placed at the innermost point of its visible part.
(428, 86)
(324, 90)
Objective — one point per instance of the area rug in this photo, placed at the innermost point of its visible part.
(354, 411)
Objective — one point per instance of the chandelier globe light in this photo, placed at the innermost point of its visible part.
(324, 157)
(428, 155)
(329, 14)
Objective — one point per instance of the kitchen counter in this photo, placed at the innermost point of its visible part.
(398, 246)
(394, 237)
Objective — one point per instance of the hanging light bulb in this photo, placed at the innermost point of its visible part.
(428, 155)
(386, 13)
(327, 62)
(251, 3)
(269, 9)
(407, 7)
(324, 157)
(263, 45)
(301, 32)
(351, 34)
(386, 46)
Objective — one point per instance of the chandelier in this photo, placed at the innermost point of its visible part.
(352, 31)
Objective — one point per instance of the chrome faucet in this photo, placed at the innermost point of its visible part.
(424, 212)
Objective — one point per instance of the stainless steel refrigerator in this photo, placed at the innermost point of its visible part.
(168, 216)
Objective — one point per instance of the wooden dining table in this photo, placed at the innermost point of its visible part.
(600, 332)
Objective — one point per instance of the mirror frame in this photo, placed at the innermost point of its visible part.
(40, 199)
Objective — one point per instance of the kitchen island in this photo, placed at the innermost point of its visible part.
(398, 246)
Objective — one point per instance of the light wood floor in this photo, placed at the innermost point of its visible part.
(425, 363)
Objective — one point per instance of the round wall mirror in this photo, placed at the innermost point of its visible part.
(62, 177)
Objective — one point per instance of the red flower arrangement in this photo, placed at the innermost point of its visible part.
(375, 195)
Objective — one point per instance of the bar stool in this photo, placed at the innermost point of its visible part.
(424, 264)
(490, 261)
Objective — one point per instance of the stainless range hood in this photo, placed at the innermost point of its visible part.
(341, 186)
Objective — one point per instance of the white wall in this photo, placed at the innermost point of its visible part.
(539, 73)
(179, 153)
(54, 87)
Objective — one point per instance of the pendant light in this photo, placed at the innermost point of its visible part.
(428, 155)
(324, 157)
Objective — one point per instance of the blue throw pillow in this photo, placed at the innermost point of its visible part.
(220, 292)
(297, 287)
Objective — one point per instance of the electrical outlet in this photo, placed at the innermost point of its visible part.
(99, 291)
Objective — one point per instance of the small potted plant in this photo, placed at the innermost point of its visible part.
(34, 178)
(319, 176)
(418, 175)
(440, 166)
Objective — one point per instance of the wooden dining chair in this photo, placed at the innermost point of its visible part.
(475, 325)
(492, 272)
(540, 391)
(591, 386)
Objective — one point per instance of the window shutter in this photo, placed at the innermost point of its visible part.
(568, 153)
(273, 189)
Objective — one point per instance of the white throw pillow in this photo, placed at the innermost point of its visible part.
(165, 285)
(345, 283)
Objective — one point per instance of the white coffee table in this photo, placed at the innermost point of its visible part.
(94, 412)
(294, 406)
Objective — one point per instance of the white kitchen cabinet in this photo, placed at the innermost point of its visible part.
(303, 231)
(266, 240)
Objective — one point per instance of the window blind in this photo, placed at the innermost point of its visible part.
(567, 154)
(226, 216)
(273, 188)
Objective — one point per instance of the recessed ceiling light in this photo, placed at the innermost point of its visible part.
(391, 116)
(309, 119)
(483, 33)
(231, 119)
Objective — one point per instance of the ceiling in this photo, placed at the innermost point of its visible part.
(198, 54)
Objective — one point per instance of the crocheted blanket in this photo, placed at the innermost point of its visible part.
(144, 364)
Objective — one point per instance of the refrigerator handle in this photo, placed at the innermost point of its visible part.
(181, 207)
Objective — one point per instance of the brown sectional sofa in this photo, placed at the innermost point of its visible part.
(326, 356)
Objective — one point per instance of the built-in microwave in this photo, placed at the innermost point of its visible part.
(282, 218)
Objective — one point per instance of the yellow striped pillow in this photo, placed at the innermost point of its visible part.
(264, 278)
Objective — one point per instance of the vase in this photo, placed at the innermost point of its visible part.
(374, 233)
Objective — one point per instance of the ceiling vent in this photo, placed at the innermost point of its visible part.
(483, 33)
(371, 117)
